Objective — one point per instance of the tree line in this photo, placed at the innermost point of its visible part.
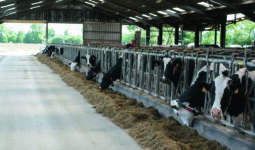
(36, 35)
(241, 33)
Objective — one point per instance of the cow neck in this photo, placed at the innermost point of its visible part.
(186, 107)
(230, 99)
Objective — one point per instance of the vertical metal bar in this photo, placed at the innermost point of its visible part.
(253, 110)
(207, 76)
(246, 88)
(130, 67)
(124, 66)
(157, 79)
(149, 73)
(186, 74)
(168, 89)
(136, 69)
(142, 71)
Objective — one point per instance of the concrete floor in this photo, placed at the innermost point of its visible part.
(38, 111)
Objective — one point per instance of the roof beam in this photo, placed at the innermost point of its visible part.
(136, 11)
(122, 6)
(46, 5)
(245, 12)
(106, 13)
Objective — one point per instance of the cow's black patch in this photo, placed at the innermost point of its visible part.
(92, 60)
(77, 59)
(94, 71)
(113, 74)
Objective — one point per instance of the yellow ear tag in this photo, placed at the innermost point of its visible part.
(204, 90)
(176, 65)
(136, 52)
(236, 91)
(240, 63)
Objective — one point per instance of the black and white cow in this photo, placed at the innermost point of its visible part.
(172, 69)
(194, 96)
(113, 74)
(232, 101)
(90, 60)
(94, 71)
(48, 50)
(76, 63)
(55, 53)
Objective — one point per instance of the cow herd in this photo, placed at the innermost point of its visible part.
(227, 93)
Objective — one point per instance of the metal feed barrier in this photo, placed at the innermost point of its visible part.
(143, 77)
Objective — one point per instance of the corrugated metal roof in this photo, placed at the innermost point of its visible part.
(189, 13)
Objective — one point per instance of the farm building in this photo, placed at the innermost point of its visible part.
(167, 96)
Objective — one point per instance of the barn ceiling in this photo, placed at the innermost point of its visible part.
(188, 13)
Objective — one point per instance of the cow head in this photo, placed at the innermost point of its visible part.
(90, 60)
(91, 74)
(106, 81)
(93, 71)
(73, 66)
(220, 91)
(172, 70)
(186, 116)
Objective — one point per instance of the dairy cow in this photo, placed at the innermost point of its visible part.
(76, 62)
(232, 100)
(90, 60)
(172, 68)
(94, 71)
(194, 96)
(113, 74)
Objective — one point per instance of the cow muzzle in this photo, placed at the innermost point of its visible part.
(216, 113)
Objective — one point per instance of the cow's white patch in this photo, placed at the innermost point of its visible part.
(53, 55)
(43, 46)
(221, 83)
(73, 66)
(88, 57)
(166, 61)
(240, 73)
(251, 74)
(222, 69)
(186, 116)
(204, 69)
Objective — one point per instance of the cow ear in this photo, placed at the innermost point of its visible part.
(205, 86)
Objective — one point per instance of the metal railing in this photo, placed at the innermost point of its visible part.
(137, 72)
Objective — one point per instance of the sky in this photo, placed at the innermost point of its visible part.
(74, 29)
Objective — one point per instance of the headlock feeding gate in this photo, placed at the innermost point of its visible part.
(139, 73)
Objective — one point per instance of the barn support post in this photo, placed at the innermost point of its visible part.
(47, 32)
(223, 33)
(215, 35)
(201, 37)
(160, 34)
(176, 35)
(148, 35)
(197, 37)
